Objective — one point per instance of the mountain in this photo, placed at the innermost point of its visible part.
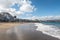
(5, 16)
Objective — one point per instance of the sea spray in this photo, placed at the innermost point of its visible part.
(48, 29)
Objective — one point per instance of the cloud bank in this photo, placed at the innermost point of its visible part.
(46, 17)
(24, 6)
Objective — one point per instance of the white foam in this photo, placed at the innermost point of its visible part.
(48, 29)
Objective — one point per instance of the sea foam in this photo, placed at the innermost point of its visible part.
(48, 29)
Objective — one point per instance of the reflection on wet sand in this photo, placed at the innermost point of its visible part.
(26, 32)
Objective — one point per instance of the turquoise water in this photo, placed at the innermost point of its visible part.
(57, 24)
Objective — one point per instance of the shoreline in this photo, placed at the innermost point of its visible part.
(28, 31)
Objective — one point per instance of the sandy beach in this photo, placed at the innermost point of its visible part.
(5, 26)
(24, 32)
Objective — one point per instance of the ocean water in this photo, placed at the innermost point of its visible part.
(49, 28)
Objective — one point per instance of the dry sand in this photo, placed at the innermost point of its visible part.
(20, 33)
(5, 26)
(8, 25)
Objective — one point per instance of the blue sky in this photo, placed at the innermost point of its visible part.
(46, 7)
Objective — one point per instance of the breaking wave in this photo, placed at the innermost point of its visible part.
(51, 30)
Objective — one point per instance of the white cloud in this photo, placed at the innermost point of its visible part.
(13, 11)
(25, 6)
(50, 18)
(46, 17)
(29, 15)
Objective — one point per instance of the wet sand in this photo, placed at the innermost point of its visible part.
(25, 32)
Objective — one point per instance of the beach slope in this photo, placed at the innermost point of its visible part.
(27, 32)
